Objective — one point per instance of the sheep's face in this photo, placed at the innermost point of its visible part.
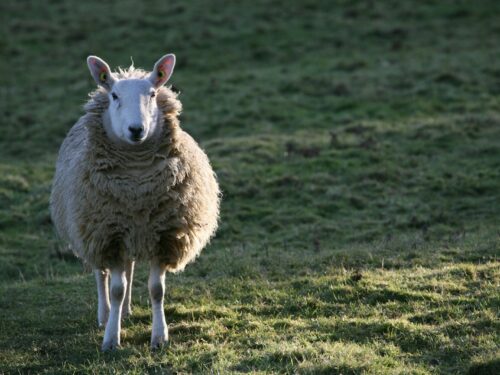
(133, 113)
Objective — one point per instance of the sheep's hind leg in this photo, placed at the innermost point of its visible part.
(117, 293)
(156, 285)
(101, 277)
(127, 304)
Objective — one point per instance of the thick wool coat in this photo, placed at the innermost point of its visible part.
(157, 200)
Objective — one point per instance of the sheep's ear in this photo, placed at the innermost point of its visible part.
(100, 72)
(163, 70)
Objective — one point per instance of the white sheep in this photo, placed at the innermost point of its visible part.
(130, 185)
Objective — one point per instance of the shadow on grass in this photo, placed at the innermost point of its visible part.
(485, 368)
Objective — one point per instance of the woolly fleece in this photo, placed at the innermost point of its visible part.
(158, 200)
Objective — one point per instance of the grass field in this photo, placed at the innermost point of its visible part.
(358, 148)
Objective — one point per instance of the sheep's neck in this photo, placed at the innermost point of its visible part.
(116, 156)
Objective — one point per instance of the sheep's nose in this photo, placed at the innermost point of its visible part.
(136, 131)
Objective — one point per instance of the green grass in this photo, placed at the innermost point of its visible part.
(358, 148)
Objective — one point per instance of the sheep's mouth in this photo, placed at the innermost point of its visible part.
(136, 140)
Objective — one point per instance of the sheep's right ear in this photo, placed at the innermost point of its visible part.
(100, 72)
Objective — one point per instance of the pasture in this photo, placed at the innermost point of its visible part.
(357, 145)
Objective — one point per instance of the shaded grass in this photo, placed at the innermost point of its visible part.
(356, 144)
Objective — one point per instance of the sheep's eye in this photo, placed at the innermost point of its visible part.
(153, 94)
(114, 96)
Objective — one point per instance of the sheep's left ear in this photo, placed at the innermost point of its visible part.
(163, 70)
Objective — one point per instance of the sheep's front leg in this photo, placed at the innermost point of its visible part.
(156, 285)
(127, 304)
(101, 277)
(117, 293)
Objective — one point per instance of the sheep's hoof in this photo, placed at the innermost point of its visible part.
(110, 345)
(159, 342)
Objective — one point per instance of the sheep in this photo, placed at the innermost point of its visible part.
(130, 185)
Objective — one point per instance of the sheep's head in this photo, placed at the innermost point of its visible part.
(133, 111)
